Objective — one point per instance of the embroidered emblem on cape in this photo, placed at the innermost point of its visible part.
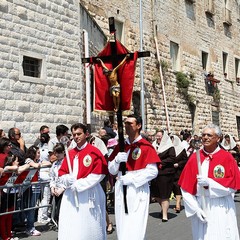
(136, 153)
(87, 161)
(219, 171)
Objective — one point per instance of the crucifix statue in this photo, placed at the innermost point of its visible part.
(119, 84)
(113, 79)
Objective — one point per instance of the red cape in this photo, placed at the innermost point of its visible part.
(138, 159)
(90, 160)
(220, 160)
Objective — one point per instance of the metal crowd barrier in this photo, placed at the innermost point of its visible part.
(19, 189)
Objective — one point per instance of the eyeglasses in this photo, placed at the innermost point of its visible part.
(18, 134)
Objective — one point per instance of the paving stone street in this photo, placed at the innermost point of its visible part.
(178, 227)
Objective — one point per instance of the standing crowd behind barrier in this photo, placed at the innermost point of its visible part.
(18, 186)
(7, 197)
(30, 194)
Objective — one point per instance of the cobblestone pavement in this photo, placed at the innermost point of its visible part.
(177, 228)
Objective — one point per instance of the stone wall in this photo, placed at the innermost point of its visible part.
(49, 29)
(195, 30)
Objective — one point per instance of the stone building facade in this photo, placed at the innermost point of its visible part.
(197, 43)
(199, 39)
(40, 75)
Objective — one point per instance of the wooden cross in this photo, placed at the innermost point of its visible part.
(115, 58)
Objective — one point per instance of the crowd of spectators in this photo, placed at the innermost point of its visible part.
(173, 150)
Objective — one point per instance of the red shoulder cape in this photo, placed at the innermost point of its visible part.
(141, 154)
(220, 160)
(90, 160)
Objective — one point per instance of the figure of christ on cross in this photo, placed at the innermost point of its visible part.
(113, 51)
(113, 79)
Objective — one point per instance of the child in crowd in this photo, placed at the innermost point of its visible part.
(56, 187)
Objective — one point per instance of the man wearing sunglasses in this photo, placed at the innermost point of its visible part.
(18, 144)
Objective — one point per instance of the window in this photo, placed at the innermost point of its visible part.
(119, 31)
(238, 125)
(174, 54)
(237, 70)
(215, 117)
(190, 9)
(136, 100)
(32, 67)
(225, 64)
(204, 60)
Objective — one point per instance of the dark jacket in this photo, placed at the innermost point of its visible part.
(181, 159)
(167, 160)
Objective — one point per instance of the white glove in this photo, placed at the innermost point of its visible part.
(201, 215)
(74, 186)
(67, 180)
(121, 157)
(202, 181)
(126, 180)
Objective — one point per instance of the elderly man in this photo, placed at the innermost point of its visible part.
(140, 158)
(215, 187)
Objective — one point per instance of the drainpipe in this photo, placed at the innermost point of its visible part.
(88, 84)
(141, 68)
